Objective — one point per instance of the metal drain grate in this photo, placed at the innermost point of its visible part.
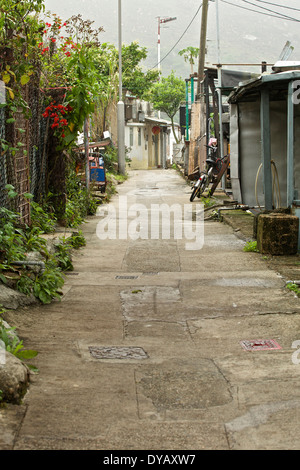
(259, 344)
(126, 277)
(115, 352)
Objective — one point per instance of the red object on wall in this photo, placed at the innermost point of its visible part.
(155, 130)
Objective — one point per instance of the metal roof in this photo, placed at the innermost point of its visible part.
(278, 80)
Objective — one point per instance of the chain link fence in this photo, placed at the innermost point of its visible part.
(23, 162)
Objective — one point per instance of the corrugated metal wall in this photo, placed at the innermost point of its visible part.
(245, 146)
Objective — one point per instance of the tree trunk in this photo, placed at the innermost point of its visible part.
(173, 130)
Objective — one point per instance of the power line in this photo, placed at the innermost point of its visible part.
(279, 16)
(179, 38)
(278, 5)
(286, 17)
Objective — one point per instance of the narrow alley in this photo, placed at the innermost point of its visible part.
(148, 348)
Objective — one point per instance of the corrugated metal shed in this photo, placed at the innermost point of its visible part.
(265, 128)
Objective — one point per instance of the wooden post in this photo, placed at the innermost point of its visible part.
(202, 48)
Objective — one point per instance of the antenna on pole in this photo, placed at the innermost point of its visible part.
(286, 51)
(161, 21)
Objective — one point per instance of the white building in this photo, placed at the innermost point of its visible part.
(147, 137)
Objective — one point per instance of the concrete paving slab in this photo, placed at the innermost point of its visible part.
(196, 387)
(266, 427)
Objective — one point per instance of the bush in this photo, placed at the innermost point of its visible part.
(251, 246)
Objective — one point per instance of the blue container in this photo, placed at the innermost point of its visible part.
(97, 172)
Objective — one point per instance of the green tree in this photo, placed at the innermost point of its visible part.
(190, 54)
(167, 95)
(134, 79)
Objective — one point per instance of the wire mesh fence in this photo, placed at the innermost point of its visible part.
(23, 159)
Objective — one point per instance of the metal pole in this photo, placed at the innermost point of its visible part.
(120, 106)
(192, 90)
(290, 146)
(187, 110)
(266, 148)
(158, 54)
(221, 144)
(158, 45)
(86, 150)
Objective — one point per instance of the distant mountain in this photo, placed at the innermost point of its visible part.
(245, 36)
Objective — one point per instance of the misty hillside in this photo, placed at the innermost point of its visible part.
(245, 37)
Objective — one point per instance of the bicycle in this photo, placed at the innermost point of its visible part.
(215, 169)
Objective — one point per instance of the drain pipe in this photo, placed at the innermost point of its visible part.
(41, 264)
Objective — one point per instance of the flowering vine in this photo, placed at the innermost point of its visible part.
(57, 113)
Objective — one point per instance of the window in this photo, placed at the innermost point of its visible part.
(139, 136)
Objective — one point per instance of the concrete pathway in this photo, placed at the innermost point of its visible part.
(144, 350)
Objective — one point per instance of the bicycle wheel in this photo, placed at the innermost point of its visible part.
(194, 193)
(204, 184)
(198, 190)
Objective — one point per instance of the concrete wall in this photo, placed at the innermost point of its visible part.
(136, 140)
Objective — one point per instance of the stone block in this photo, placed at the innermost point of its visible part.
(14, 379)
(277, 234)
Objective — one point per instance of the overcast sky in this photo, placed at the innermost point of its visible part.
(245, 36)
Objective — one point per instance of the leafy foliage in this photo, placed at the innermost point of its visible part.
(251, 246)
(14, 345)
(294, 288)
(167, 95)
(190, 54)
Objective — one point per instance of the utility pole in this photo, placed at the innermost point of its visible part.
(161, 21)
(221, 142)
(120, 107)
(202, 48)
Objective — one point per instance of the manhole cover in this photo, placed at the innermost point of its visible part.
(126, 277)
(115, 352)
(259, 344)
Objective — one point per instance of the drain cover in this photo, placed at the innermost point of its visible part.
(259, 344)
(115, 352)
(126, 277)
